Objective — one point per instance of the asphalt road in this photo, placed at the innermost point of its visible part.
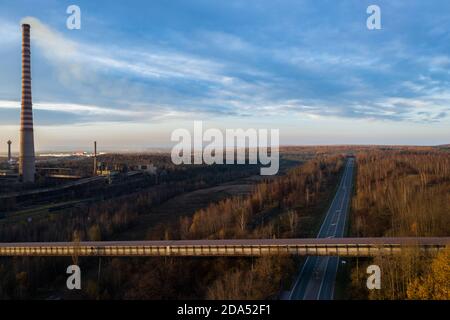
(316, 280)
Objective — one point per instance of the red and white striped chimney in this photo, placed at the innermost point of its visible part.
(26, 159)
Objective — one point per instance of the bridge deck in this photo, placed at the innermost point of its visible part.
(235, 247)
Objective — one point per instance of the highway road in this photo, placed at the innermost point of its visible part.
(316, 280)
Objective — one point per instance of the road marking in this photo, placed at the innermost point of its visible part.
(327, 223)
(344, 180)
(335, 196)
(323, 278)
(299, 278)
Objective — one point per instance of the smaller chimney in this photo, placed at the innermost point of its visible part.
(95, 158)
(9, 151)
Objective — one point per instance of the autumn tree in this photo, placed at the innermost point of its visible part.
(435, 283)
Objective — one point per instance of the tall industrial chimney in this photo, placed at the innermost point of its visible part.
(9, 151)
(95, 158)
(27, 167)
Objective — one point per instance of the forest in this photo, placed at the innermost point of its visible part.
(403, 193)
(399, 191)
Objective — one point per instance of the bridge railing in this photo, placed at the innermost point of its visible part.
(210, 250)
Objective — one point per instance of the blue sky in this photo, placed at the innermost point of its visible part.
(139, 69)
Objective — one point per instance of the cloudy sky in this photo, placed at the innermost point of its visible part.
(139, 69)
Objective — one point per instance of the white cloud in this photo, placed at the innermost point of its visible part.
(84, 61)
(77, 109)
(140, 113)
(98, 71)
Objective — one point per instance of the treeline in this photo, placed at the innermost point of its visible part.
(403, 193)
(287, 199)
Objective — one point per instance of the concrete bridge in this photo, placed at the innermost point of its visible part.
(346, 247)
